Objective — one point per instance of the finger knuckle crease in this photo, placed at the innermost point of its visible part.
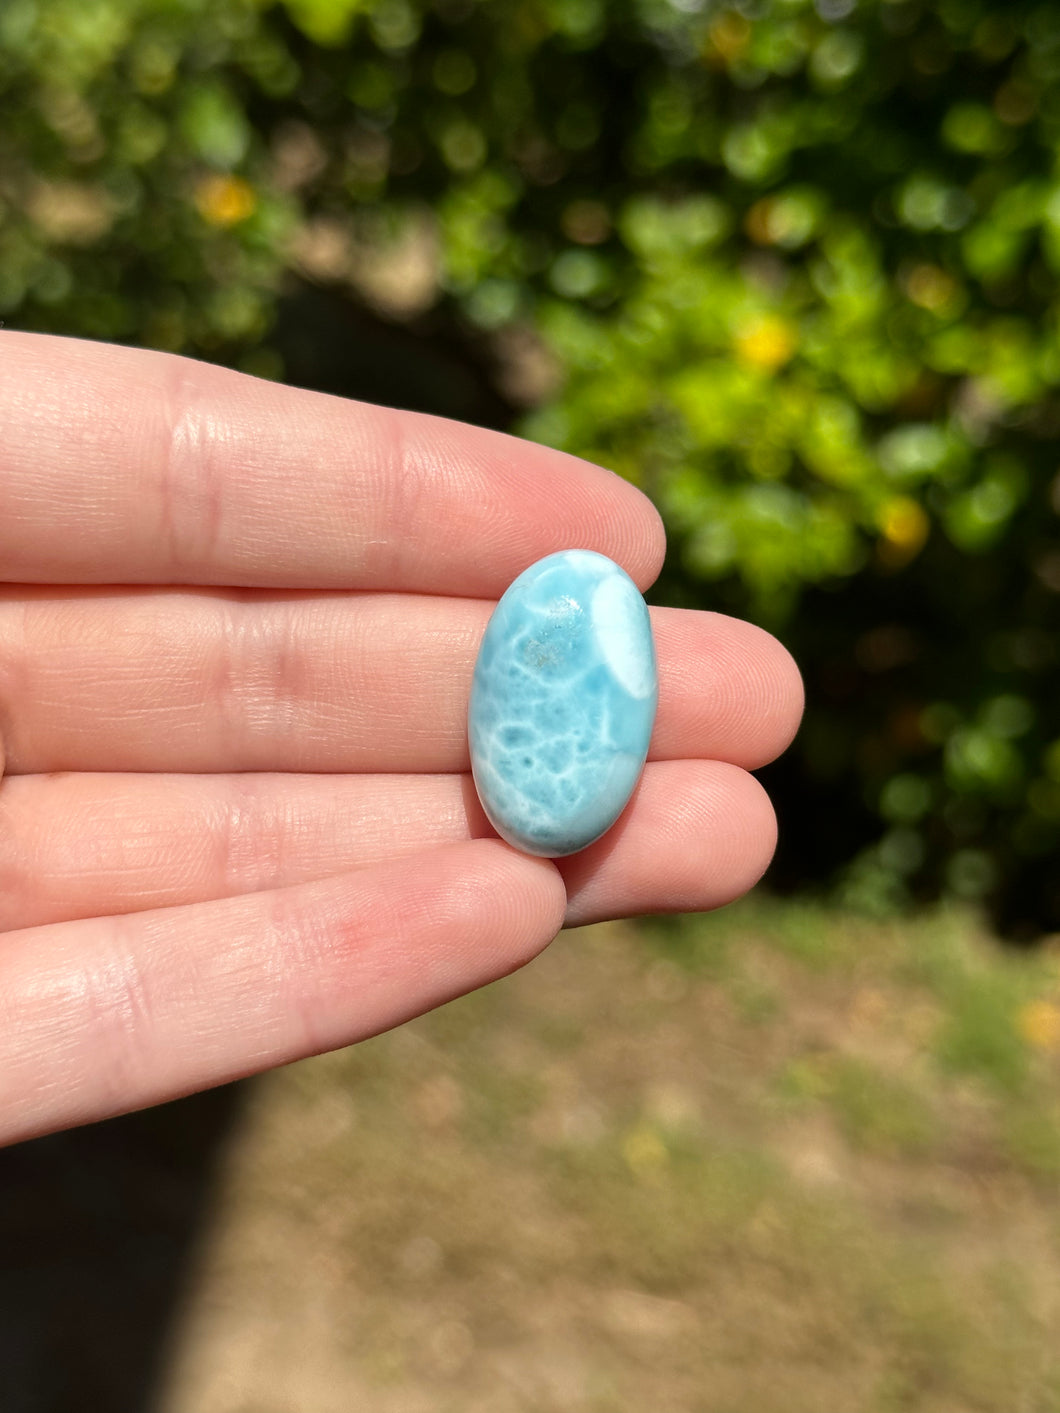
(190, 486)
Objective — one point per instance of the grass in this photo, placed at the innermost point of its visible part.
(776, 1159)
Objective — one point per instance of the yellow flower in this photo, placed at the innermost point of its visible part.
(225, 200)
(767, 343)
(1039, 1024)
(644, 1151)
(729, 35)
(759, 221)
(930, 287)
(904, 527)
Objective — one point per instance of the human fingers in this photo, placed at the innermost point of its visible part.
(696, 835)
(155, 680)
(122, 465)
(106, 1015)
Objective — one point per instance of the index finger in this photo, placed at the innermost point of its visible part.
(121, 465)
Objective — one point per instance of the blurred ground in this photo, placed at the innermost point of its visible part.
(774, 1159)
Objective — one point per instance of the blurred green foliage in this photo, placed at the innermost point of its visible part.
(795, 265)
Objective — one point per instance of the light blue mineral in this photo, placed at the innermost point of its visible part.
(562, 703)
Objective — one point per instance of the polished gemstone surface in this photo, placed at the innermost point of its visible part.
(562, 703)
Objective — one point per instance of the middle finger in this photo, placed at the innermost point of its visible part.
(238, 680)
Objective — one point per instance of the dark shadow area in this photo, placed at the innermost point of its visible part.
(97, 1227)
(333, 345)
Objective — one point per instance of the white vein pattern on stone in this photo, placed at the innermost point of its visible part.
(562, 703)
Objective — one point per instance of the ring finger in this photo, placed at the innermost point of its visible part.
(696, 835)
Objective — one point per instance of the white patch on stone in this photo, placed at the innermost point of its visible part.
(617, 617)
(586, 561)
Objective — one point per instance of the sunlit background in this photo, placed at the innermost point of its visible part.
(792, 267)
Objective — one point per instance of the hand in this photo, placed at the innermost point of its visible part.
(237, 628)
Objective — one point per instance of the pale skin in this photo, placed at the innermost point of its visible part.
(237, 629)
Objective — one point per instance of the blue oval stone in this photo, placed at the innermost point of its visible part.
(562, 703)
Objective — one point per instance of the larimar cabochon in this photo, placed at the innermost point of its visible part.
(563, 702)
